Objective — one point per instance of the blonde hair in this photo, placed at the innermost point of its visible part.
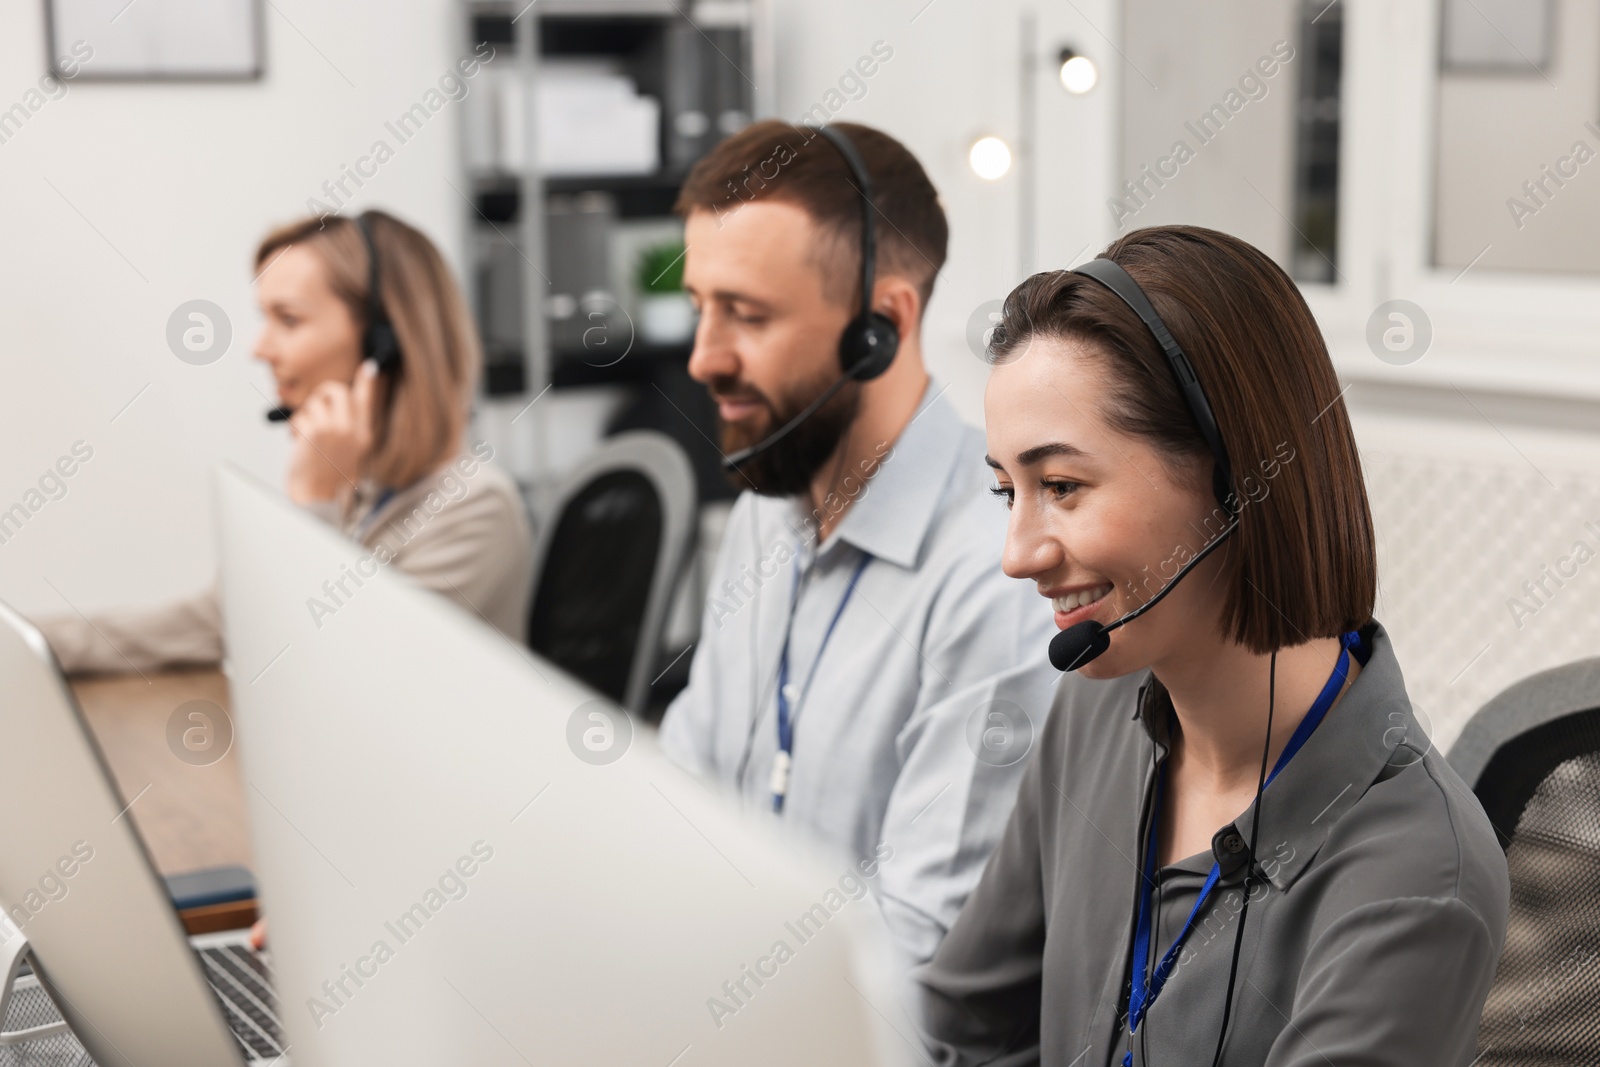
(420, 413)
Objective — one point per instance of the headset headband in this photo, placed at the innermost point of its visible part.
(374, 297)
(869, 233)
(379, 342)
(1110, 274)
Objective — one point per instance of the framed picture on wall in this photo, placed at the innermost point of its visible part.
(1506, 36)
(155, 40)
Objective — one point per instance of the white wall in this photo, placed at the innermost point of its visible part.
(160, 193)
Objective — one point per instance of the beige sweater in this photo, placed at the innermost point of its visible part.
(461, 532)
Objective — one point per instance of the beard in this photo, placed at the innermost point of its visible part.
(788, 467)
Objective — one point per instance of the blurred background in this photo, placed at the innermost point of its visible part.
(1426, 169)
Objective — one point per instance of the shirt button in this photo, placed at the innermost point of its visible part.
(1233, 843)
(791, 693)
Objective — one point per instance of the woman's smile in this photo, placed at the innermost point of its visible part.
(1077, 603)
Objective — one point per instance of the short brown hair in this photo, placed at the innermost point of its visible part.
(419, 419)
(1303, 563)
(775, 160)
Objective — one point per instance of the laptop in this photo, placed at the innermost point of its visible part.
(465, 855)
(77, 884)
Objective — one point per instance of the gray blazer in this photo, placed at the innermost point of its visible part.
(1372, 941)
(461, 532)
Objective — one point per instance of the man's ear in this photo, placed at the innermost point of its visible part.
(901, 300)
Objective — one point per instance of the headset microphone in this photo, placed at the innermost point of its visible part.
(745, 455)
(380, 345)
(870, 340)
(1078, 645)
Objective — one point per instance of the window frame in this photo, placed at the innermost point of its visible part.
(1499, 331)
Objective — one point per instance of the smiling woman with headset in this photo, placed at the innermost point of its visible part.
(1240, 849)
(376, 360)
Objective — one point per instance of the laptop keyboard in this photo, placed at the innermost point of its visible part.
(242, 983)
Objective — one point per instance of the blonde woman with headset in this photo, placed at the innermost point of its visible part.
(376, 361)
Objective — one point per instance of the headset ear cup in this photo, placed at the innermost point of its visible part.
(382, 346)
(868, 346)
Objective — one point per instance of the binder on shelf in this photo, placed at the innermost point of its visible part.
(500, 300)
(688, 127)
(727, 88)
(578, 235)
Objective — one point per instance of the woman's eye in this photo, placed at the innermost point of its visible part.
(1004, 492)
(1060, 488)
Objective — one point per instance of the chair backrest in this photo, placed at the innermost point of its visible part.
(607, 563)
(1532, 755)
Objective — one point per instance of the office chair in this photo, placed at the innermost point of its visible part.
(1532, 755)
(608, 562)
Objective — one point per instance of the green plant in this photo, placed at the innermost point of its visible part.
(661, 268)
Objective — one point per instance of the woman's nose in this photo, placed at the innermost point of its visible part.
(1030, 550)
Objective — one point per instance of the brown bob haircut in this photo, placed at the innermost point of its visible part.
(775, 160)
(420, 417)
(1303, 563)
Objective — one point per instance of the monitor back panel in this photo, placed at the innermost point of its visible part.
(454, 872)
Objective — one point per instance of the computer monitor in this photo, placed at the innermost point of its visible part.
(465, 856)
(75, 880)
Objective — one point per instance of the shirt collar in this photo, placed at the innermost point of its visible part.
(1369, 732)
(896, 509)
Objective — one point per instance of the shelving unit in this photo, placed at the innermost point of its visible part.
(554, 243)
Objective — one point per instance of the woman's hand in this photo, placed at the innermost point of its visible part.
(332, 436)
(258, 935)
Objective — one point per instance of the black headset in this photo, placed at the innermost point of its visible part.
(1109, 273)
(870, 340)
(1077, 645)
(379, 342)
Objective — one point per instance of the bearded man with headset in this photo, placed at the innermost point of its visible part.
(865, 669)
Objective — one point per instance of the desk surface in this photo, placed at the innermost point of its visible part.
(190, 816)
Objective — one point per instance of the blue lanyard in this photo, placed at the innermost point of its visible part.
(377, 506)
(780, 764)
(1145, 986)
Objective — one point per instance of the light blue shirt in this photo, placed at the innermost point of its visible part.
(914, 731)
